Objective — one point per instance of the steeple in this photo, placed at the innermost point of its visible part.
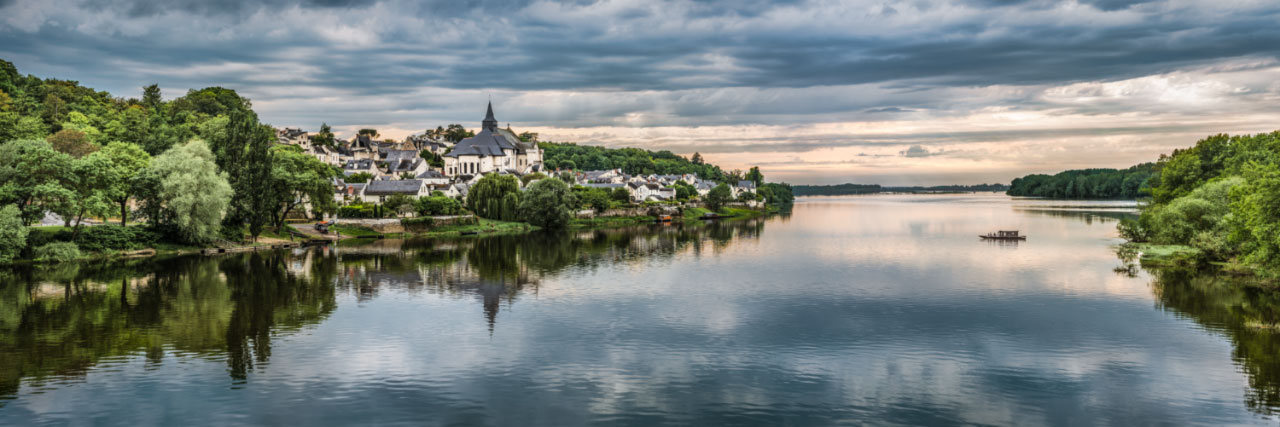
(490, 124)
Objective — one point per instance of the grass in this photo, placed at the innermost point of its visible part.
(353, 231)
(610, 222)
(485, 226)
(1155, 254)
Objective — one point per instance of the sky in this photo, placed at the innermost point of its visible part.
(917, 92)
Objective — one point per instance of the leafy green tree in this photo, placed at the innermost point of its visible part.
(324, 137)
(90, 181)
(755, 176)
(547, 204)
(257, 173)
(620, 194)
(696, 159)
(528, 136)
(595, 198)
(358, 178)
(13, 233)
(193, 193)
(127, 162)
(455, 132)
(1256, 209)
(719, 196)
(371, 133)
(151, 97)
(298, 179)
(488, 198)
(33, 176)
(432, 159)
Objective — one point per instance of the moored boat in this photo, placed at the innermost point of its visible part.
(1003, 235)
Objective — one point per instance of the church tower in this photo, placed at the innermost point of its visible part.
(490, 124)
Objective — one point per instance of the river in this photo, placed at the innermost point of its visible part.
(880, 310)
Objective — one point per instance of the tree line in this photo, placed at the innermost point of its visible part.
(1130, 183)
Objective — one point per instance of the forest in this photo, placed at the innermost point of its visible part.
(1128, 183)
(633, 161)
(850, 189)
(1222, 197)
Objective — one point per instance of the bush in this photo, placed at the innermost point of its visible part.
(114, 237)
(360, 211)
(595, 198)
(57, 252)
(438, 205)
(718, 197)
(13, 234)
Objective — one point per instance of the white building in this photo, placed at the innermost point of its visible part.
(492, 150)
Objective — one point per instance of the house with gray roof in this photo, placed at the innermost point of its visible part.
(492, 150)
(379, 191)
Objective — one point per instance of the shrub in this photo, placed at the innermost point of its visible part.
(57, 252)
(438, 205)
(359, 211)
(114, 237)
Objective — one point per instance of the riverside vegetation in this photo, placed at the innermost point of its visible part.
(202, 170)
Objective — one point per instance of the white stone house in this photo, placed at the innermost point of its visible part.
(492, 150)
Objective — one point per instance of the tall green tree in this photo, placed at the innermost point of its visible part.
(192, 192)
(719, 196)
(755, 176)
(301, 179)
(495, 197)
(127, 162)
(548, 203)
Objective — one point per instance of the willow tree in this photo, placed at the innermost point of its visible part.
(193, 193)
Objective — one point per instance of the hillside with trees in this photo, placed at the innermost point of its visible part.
(632, 161)
(1130, 183)
(198, 168)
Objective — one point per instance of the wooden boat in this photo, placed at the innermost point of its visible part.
(1003, 235)
(663, 218)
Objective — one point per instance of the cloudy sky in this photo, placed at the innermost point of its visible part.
(825, 91)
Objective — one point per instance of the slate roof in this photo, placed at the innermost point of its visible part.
(431, 174)
(387, 188)
(491, 141)
(746, 184)
(602, 185)
(362, 164)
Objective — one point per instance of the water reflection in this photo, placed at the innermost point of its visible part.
(57, 323)
(1247, 313)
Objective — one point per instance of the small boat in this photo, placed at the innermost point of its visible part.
(663, 218)
(1003, 235)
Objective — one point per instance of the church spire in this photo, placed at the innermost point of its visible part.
(490, 124)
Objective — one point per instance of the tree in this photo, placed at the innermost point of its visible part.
(432, 159)
(455, 132)
(72, 142)
(620, 194)
(90, 183)
(193, 194)
(151, 98)
(300, 178)
(755, 176)
(489, 197)
(127, 161)
(13, 233)
(257, 173)
(547, 204)
(528, 136)
(595, 198)
(33, 177)
(438, 204)
(358, 178)
(371, 133)
(324, 137)
(718, 197)
(697, 159)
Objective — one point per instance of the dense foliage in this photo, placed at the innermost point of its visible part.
(632, 161)
(718, 197)
(13, 233)
(546, 203)
(438, 204)
(496, 197)
(192, 194)
(1221, 196)
(834, 190)
(1086, 184)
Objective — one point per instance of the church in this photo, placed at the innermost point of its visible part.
(493, 150)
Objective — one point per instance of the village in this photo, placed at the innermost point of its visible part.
(375, 170)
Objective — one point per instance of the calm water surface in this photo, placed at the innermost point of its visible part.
(861, 310)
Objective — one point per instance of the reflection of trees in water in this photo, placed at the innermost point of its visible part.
(1088, 216)
(499, 269)
(1248, 315)
(58, 323)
